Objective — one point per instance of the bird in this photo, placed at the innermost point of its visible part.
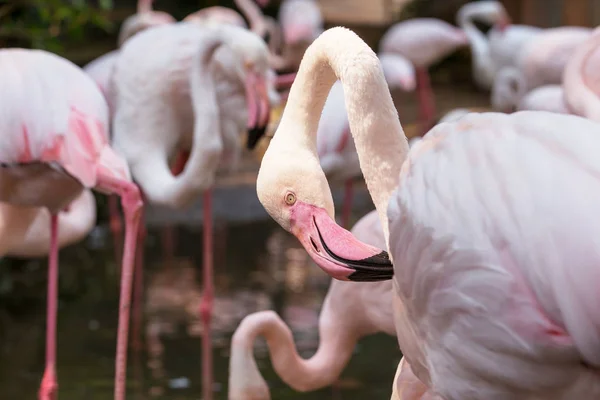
(100, 69)
(26, 233)
(581, 79)
(509, 93)
(423, 41)
(492, 251)
(185, 89)
(499, 48)
(335, 146)
(55, 144)
(349, 313)
(543, 59)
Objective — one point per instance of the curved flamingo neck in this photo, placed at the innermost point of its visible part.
(480, 46)
(380, 141)
(322, 369)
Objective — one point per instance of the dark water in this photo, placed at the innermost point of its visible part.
(257, 267)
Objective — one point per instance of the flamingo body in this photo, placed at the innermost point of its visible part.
(29, 236)
(582, 80)
(55, 144)
(543, 60)
(547, 337)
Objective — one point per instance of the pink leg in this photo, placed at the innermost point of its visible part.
(347, 210)
(131, 201)
(49, 387)
(207, 298)
(138, 291)
(116, 225)
(426, 100)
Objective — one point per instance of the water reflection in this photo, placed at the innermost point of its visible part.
(267, 270)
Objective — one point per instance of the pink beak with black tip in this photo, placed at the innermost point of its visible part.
(336, 250)
(259, 108)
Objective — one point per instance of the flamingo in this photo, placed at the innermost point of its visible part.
(55, 145)
(25, 229)
(543, 59)
(509, 92)
(423, 41)
(495, 290)
(182, 88)
(349, 313)
(500, 47)
(100, 69)
(582, 81)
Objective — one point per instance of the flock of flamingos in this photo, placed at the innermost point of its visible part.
(490, 279)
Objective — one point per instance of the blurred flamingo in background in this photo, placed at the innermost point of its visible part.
(500, 47)
(24, 231)
(101, 70)
(543, 59)
(55, 145)
(483, 268)
(582, 79)
(423, 41)
(349, 313)
(186, 90)
(509, 94)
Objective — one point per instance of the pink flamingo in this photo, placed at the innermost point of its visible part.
(25, 229)
(509, 93)
(543, 59)
(499, 48)
(582, 80)
(100, 69)
(349, 313)
(55, 145)
(488, 301)
(184, 89)
(423, 41)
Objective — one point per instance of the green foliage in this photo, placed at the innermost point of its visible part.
(45, 24)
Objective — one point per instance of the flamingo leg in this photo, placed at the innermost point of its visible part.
(347, 208)
(49, 386)
(131, 201)
(116, 225)
(207, 298)
(138, 291)
(426, 100)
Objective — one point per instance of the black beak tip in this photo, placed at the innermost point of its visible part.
(254, 135)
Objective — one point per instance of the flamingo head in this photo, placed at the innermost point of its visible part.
(491, 12)
(293, 189)
(398, 72)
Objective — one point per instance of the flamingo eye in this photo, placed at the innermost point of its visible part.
(290, 199)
